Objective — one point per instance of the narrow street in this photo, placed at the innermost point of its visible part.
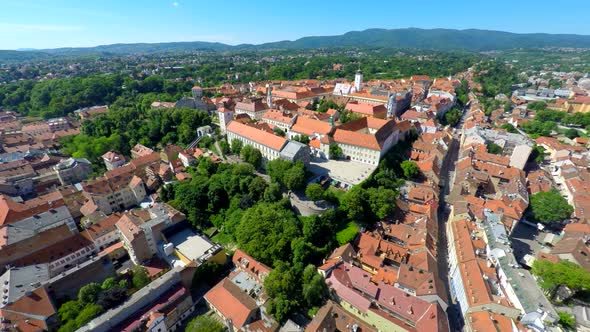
(447, 175)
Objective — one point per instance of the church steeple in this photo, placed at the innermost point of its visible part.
(358, 81)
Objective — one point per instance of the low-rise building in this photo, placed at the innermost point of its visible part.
(254, 108)
(295, 151)
(113, 194)
(239, 299)
(113, 160)
(279, 119)
(103, 232)
(141, 230)
(270, 145)
(73, 170)
(140, 150)
(382, 305)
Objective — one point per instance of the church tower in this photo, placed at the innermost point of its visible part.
(225, 115)
(358, 81)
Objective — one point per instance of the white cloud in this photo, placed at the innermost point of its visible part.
(10, 27)
(175, 4)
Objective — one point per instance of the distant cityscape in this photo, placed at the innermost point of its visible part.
(327, 189)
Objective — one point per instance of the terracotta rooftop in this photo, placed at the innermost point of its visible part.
(307, 126)
(262, 137)
(247, 263)
(103, 227)
(231, 302)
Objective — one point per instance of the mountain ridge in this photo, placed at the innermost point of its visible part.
(474, 40)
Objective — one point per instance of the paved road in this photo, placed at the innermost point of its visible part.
(447, 171)
(443, 215)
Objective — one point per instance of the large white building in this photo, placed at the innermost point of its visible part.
(270, 145)
(364, 140)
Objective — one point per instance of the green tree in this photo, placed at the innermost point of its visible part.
(252, 156)
(537, 154)
(236, 146)
(89, 293)
(509, 128)
(89, 312)
(550, 206)
(273, 193)
(224, 146)
(494, 148)
(294, 178)
(571, 133)
(279, 131)
(453, 116)
(410, 169)
(282, 286)
(537, 105)
(563, 272)
(335, 151)
(112, 297)
(567, 321)
(69, 311)
(108, 283)
(277, 168)
(208, 273)
(537, 128)
(205, 323)
(381, 201)
(257, 188)
(265, 232)
(353, 203)
(314, 290)
(314, 191)
(70, 326)
(302, 139)
(347, 234)
(140, 277)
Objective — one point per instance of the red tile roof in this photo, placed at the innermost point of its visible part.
(37, 304)
(379, 111)
(247, 263)
(307, 126)
(267, 139)
(231, 302)
(11, 211)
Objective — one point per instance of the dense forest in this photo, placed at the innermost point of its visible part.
(58, 97)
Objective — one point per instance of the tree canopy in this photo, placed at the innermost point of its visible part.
(411, 170)
(562, 273)
(314, 191)
(252, 156)
(550, 206)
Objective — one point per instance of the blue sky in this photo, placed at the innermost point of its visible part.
(63, 23)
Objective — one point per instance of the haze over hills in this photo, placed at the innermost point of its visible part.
(428, 39)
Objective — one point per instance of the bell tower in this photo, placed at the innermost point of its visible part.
(358, 81)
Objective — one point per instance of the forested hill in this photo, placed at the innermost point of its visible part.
(437, 39)
(431, 39)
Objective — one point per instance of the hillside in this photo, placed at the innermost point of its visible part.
(437, 39)
(427, 39)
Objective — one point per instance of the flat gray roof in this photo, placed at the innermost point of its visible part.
(191, 245)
